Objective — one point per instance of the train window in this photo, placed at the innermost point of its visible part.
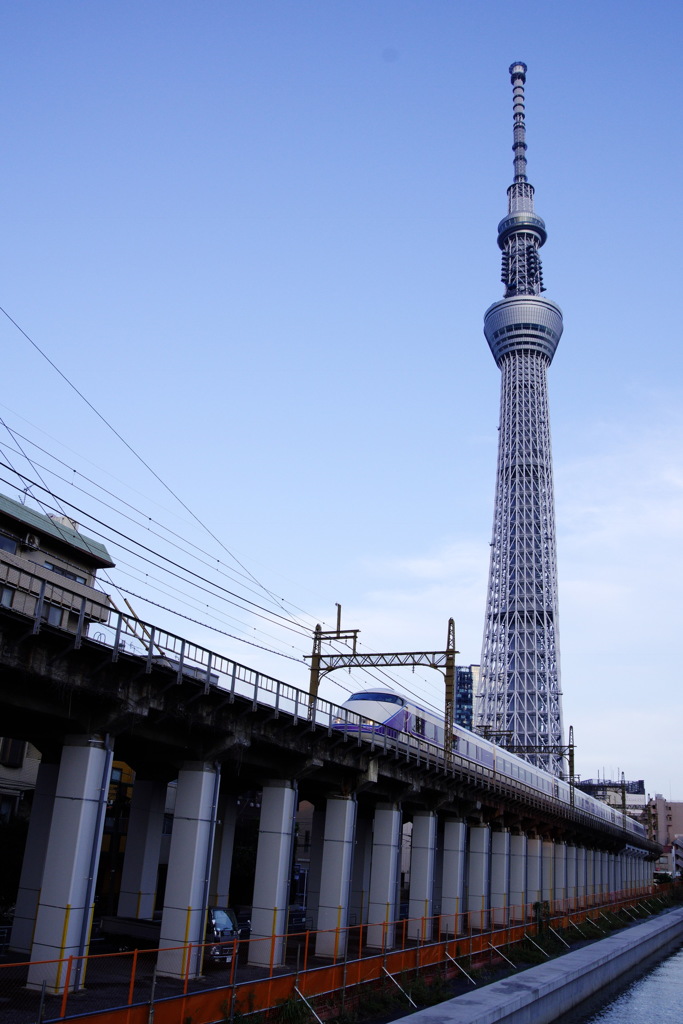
(419, 725)
(387, 698)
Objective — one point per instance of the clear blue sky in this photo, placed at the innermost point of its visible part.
(260, 237)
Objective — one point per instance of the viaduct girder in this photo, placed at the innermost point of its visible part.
(159, 719)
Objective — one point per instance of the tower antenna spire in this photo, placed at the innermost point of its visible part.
(518, 78)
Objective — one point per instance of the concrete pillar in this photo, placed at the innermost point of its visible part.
(518, 868)
(271, 880)
(572, 877)
(626, 877)
(534, 872)
(500, 876)
(333, 910)
(65, 907)
(604, 856)
(223, 845)
(560, 875)
(421, 899)
(189, 870)
(478, 876)
(382, 908)
(141, 860)
(315, 866)
(360, 875)
(548, 871)
(581, 882)
(31, 879)
(590, 877)
(597, 859)
(453, 876)
(438, 872)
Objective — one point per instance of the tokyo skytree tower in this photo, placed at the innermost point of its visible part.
(520, 696)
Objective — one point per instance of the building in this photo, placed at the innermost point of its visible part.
(677, 857)
(46, 563)
(466, 683)
(627, 796)
(665, 818)
(520, 704)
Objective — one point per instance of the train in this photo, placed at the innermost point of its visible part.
(386, 712)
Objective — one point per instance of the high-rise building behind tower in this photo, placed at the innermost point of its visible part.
(520, 697)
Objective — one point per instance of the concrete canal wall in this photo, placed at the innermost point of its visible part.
(541, 994)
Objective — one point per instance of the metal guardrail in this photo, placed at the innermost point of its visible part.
(126, 987)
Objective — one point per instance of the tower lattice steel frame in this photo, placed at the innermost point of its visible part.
(520, 697)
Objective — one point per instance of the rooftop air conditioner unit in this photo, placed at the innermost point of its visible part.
(31, 541)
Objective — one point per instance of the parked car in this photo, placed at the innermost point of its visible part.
(222, 932)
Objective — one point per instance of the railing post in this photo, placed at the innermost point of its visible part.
(117, 638)
(181, 663)
(67, 982)
(133, 972)
(38, 610)
(79, 628)
(207, 678)
(150, 650)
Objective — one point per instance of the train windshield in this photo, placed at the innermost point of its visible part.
(387, 698)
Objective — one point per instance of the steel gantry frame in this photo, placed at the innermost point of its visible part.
(442, 661)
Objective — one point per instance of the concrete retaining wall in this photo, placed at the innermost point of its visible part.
(541, 994)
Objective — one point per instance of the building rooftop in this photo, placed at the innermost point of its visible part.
(56, 528)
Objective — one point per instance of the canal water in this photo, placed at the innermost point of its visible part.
(653, 996)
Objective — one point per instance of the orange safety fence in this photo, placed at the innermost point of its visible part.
(122, 988)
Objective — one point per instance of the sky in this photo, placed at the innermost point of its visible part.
(252, 244)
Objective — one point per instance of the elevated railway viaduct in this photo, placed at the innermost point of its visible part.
(484, 847)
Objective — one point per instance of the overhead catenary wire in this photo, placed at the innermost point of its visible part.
(199, 580)
(223, 570)
(226, 570)
(183, 569)
(130, 448)
(279, 602)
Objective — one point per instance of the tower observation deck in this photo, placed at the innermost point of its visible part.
(520, 695)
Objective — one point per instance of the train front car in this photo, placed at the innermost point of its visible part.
(374, 713)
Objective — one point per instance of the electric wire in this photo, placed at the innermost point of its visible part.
(133, 451)
(128, 446)
(83, 512)
(265, 613)
(224, 570)
(279, 602)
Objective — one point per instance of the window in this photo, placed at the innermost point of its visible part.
(52, 614)
(386, 698)
(7, 544)
(419, 726)
(6, 596)
(64, 572)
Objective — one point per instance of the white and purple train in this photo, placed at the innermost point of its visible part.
(383, 711)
